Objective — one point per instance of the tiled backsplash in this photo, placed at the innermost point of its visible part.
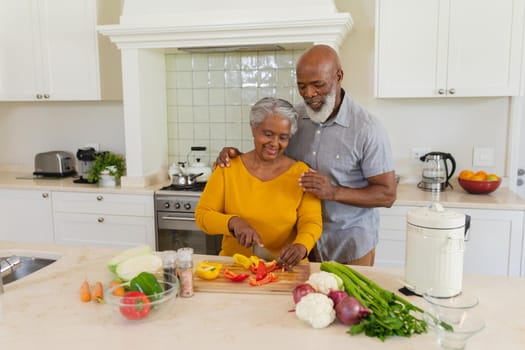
(210, 94)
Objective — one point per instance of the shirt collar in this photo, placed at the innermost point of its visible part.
(342, 118)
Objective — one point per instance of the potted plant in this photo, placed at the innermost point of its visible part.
(107, 168)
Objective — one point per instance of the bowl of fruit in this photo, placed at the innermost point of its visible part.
(478, 182)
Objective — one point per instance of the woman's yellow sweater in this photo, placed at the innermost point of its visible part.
(278, 209)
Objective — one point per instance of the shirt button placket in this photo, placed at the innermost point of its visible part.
(317, 145)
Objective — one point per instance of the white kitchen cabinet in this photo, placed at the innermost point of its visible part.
(390, 252)
(49, 51)
(102, 219)
(453, 48)
(26, 216)
(494, 245)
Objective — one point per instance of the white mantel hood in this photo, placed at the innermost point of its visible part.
(211, 23)
(147, 29)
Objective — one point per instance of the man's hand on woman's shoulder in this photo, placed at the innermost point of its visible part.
(223, 160)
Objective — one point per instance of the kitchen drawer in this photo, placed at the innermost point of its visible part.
(104, 230)
(103, 203)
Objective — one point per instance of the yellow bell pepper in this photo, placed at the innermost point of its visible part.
(242, 260)
(207, 270)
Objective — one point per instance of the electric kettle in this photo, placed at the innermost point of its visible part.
(436, 174)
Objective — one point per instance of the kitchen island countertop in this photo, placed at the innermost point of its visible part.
(43, 310)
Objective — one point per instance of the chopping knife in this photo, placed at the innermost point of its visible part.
(266, 255)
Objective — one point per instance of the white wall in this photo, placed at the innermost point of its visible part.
(29, 128)
(449, 125)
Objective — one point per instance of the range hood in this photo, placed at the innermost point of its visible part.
(149, 29)
(233, 48)
(211, 23)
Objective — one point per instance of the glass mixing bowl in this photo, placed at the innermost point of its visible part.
(452, 318)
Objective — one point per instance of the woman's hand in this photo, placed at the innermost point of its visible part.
(223, 160)
(291, 255)
(245, 234)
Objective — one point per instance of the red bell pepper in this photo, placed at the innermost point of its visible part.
(261, 271)
(270, 266)
(269, 278)
(135, 305)
(235, 277)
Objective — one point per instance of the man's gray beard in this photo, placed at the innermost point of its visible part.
(326, 109)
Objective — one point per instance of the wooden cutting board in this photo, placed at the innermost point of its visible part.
(287, 280)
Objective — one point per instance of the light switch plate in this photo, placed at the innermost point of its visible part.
(483, 156)
(96, 146)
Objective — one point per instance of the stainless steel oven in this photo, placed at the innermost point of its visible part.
(175, 222)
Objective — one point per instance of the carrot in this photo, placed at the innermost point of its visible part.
(98, 293)
(85, 294)
(118, 291)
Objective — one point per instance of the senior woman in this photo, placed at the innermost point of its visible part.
(258, 200)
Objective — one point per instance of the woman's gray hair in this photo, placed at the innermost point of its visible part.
(273, 106)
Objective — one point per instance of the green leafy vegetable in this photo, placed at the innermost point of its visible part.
(391, 314)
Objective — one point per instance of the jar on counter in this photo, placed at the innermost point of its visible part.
(185, 271)
(169, 261)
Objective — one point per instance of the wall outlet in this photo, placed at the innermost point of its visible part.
(483, 156)
(418, 152)
(96, 146)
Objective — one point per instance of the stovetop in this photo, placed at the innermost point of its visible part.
(195, 187)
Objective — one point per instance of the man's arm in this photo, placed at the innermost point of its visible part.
(380, 192)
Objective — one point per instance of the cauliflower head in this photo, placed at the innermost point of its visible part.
(324, 282)
(316, 309)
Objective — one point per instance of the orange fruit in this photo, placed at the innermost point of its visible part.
(466, 174)
(480, 175)
(477, 178)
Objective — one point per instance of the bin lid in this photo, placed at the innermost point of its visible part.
(435, 216)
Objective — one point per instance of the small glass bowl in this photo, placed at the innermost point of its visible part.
(453, 309)
(455, 337)
(160, 305)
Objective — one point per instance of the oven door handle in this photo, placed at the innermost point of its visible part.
(172, 218)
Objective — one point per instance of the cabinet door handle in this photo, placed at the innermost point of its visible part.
(441, 91)
(45, 195)
(100, 219)
(46, 96)
(99, 198)
(452, 91)
(39, 96)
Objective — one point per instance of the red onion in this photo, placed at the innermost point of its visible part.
(301, 290)
(350, 311)
(337, 295)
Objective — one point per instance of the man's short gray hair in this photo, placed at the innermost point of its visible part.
(273, 106)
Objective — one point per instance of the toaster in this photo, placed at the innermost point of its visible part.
(54, 164)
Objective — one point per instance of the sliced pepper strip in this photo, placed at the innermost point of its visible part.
(261, 271)
(235, 277)
(269, 278)
(271, 266)
(242, 260)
